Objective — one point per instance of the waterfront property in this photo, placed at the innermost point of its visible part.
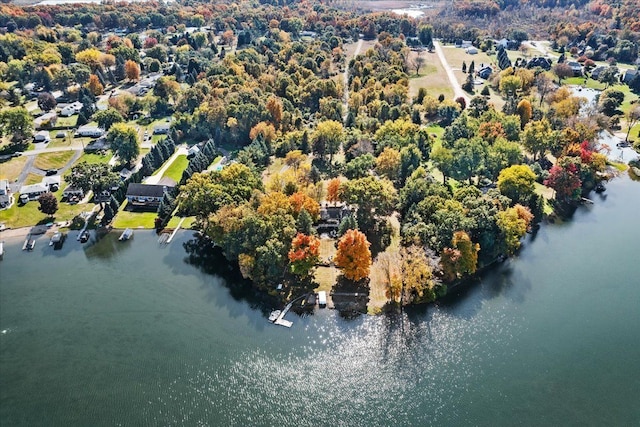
(145, 195)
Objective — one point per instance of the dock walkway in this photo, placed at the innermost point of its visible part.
(280, 320)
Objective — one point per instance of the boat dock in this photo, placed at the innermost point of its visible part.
(279, 319)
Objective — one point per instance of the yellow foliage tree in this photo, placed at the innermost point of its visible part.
(94, 85)
(333, 190)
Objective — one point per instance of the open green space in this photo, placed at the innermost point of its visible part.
(432, 77)
(70, 121)
(29, 214)
(54, 160)
(32, 178)
(133, 219)
(174, 171)
(10, 170)
(95, 158)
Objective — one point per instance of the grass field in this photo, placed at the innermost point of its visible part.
(94, 158)
(432, 77)
(32, 178)
(54, 160)
(29, 214)
(11, 169)
(130, 219)
(174, 171)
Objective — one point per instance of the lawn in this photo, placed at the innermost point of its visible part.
(95, 158)
(54, 160)
(432, 77)
(11, 169)
(67, 122)
(436, 130)
(131, 219)
(174, 171)
(186, 224)
(29, 214)
(32, 178)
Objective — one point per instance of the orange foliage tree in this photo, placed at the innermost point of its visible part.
(264, 129)
(94, 85)
(461, 259)
(333, 190)
(353, 255)
(304, 254)
(131, 70)
(301, 200)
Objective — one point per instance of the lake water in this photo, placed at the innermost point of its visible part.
(129, 333)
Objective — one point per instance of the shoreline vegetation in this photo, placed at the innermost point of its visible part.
(381, 158)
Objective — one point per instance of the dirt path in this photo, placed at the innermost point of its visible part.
(457, 90)
(345, 78)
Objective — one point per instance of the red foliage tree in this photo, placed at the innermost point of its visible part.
(304, 254)
(354, 256)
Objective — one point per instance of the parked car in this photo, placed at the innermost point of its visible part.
(50, 172)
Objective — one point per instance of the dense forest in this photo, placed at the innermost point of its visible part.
(429, 189)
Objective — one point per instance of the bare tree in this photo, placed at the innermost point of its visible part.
(416, 62)
(633, 116)
(544, 85)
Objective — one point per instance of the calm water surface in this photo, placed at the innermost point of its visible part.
(130, 334)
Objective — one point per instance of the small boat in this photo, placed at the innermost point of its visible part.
(31, 244)
(126, 235)
(57, 236)
(274, 315)
(84, 236)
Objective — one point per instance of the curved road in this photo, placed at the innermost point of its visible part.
(457, 90)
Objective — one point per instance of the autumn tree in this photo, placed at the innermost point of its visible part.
(564, 178)
(418, 277)
(301, 201)
(388, 164)
(264, 130)
(517, 182)
(525, 112)
(538, 137)
(132, 70)
(333, 191)
(562, 71)
(94, 85)
(353, 255)
(461, 259)
(513, 224)
(48, 203)
(123, 140)
(327, 138)
(304, 254)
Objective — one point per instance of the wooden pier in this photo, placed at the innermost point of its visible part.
(280, 320)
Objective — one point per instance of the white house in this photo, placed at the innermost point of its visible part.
(71, 109)
(42, 136)
(32, 192)
(193, 150)
(91, 131)
(161, 129)
(52, 182)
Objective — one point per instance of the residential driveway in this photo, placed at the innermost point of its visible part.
(457, 90)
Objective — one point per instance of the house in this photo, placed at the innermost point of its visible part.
(4, 193)
(52, 182)
(32, 192)
(49, 117)
(145, 195)
(71, 109)
(42, 136)
(90, 131)
(485, 72)
(193, 150)
(629, 75)
(471, 50)
(595, 73)
(539, 61)
(103, 196)
(72, 194)
(161, 129)
(576, 67)
(466, 43)
(97, 145)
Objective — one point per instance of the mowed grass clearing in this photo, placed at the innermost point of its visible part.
(28, 215)
(133, 219)
(54, 160)
(432, 77)
(174, 171)
(10, 170)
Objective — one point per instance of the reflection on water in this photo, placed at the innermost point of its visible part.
(138, 333)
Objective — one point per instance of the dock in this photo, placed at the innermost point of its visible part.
(280, 320)
(175, 231)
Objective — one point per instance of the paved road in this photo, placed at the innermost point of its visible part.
(457, 90)
(153, 179)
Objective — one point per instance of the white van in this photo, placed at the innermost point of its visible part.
(322, 298)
